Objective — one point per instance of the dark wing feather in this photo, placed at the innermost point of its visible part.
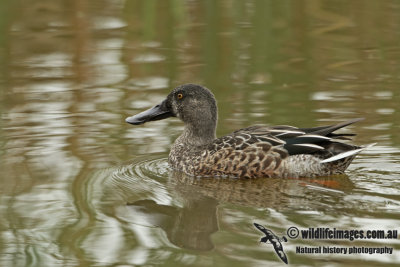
(328, 130)
(307, 139)
(317, 138)
(296, 149)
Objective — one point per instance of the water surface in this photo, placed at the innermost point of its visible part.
(80, 187)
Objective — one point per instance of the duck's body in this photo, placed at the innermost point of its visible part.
(256, 151)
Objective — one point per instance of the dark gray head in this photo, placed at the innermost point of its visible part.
(195, 105)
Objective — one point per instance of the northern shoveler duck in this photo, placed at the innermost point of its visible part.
(255, 151)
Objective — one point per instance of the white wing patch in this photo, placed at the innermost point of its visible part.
(286, 132)
(346, 154)
(310, 145)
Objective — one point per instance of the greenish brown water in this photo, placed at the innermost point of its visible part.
(80, 187)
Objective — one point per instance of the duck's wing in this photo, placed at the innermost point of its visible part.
(298, 140)
(287, 131)
(292, 139)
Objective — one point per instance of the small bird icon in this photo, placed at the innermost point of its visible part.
(275, 241)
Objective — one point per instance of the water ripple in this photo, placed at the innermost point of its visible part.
(143, 178)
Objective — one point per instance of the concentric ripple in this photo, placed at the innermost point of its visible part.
(141, 178)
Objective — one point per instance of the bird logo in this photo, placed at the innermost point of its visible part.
(274, 240)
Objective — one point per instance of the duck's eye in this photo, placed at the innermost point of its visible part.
(179, 96)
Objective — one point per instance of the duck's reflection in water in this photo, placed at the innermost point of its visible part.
(189, 227)
(192, 225)
(275, 193)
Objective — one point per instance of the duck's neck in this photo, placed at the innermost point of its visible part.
(199, 134)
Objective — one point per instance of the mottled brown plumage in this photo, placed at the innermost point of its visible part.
(256, 151)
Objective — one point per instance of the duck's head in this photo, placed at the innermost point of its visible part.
(195, 105)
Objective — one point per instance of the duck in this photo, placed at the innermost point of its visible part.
(256, 151)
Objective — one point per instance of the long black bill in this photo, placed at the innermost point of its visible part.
(156, 113)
